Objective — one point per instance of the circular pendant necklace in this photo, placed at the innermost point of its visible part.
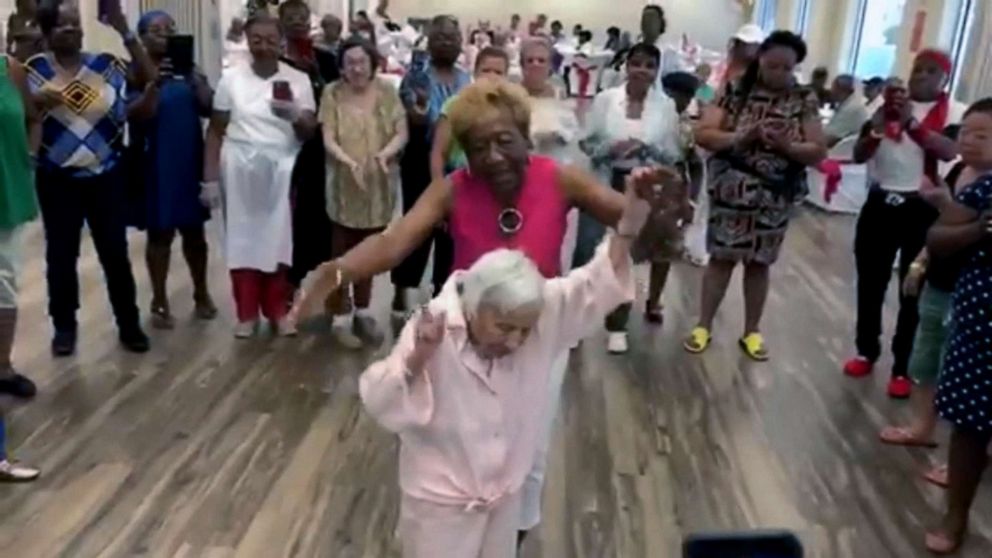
(510, 221)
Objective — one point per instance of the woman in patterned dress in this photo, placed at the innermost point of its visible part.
(964, 394)
(764, 133)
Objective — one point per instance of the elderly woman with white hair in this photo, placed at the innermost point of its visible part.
(465, 387)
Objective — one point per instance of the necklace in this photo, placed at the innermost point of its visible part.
(510, 221)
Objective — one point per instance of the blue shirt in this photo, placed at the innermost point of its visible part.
(85, 134)
(438, 92)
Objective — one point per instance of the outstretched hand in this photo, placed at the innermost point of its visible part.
(643, 186)
(315, 288)
(428, 332)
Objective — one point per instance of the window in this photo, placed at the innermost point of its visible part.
(960, 36)
(764, 15)
(876, 38)
(803, 11)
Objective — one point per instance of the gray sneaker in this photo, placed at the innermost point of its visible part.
(367, 330)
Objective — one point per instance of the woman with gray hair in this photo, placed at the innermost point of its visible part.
(465, 387)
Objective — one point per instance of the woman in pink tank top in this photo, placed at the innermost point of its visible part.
(506, 198)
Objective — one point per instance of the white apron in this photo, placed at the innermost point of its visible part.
(255, 182)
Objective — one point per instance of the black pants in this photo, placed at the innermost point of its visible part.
(67, 203)
(415, 175)
(888, 224)
(311, 226)
(590, 235)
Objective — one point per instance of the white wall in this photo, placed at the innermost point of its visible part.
(708, 22)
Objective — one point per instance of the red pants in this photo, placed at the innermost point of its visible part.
(256, 290)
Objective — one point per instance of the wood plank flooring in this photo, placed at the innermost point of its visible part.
(209, 447)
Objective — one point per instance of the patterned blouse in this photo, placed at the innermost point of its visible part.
(361, 135)
(85, 134)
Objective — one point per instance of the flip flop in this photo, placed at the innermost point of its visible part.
(698, 340)
(937, 476)
(902, 436)
(753, 345)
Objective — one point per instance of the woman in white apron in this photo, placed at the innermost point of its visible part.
(263, 111)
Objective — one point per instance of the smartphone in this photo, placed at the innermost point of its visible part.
(759, 544)
(281, 91)
(107, 8)
(179, 50)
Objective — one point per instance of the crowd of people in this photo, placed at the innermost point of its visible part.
(532, 221)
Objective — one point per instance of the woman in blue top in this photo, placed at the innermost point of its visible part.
(166, 129)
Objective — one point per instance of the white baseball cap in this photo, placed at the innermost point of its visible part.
(750, 33)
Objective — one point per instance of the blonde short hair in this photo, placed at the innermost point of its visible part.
(487, 99)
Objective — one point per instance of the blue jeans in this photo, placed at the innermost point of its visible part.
(3, 439)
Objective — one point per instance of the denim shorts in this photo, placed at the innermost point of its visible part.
(931, 336)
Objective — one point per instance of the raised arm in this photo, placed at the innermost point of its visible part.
(397, 391)
(586, 192)
(579, 301)
(440, 148)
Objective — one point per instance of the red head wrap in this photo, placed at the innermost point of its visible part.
(940, 57)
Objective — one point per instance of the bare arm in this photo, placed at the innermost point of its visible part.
(333, 148)
(440, 148)
(941, 146)
(813, 148)
(386, 250)
(204, 93)
(871, 137)
(401, 135)
(710, 134)
(215, 139)
(146, 105)
(958, 228)
(305, 125)
(585, 192)
(31, 114)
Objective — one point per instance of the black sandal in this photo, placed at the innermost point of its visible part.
(653, 314)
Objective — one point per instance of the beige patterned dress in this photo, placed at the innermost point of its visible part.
(361, 134)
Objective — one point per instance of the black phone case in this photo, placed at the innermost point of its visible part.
(761, 544)
(179, 49)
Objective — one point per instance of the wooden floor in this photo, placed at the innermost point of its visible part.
(209, 447)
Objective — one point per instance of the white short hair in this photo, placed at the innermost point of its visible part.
(506, 280)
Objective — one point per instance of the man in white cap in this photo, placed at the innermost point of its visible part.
(741, 51)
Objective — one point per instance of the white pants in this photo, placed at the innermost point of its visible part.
(534, 484)
(430, 530)
(10, 258)
(695, 234)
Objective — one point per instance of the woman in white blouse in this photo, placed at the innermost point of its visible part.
(263, 112)
(629, 126)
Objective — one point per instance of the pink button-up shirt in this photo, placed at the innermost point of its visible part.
(469, 427)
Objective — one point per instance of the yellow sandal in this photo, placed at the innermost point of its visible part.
(698, 340)
(753, 345)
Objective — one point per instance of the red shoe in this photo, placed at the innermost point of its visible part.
(900, 387)
(858, 367)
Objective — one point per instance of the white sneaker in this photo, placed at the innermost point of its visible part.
(343, 335)
(13, 472)
(245, 330)
(286, 327)
(616, 344)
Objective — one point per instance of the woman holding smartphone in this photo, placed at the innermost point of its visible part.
(166, 127)
(263, 112)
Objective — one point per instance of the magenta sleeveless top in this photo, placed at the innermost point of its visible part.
(474, 219)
